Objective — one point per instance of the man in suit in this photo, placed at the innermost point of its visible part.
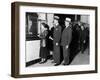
(66, 40)
(82, 38)
(56, 41)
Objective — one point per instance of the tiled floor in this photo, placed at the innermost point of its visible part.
(78, 60)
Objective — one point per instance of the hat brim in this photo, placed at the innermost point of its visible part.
(67, 21)
(56, 18)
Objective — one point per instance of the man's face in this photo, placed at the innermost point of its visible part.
(66, 23)
(79, 23)
(55, 21)
(82, 27)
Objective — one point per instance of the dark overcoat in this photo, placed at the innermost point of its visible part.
(56, 40)
(65, 41)
(66, 36)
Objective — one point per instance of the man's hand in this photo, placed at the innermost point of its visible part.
(66, 47)
(84, 41)
(50, 38)
(56, 44)
(38, 35)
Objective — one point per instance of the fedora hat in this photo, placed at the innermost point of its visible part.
(56, 17)
(68, 19)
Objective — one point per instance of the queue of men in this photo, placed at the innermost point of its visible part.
(62, 39)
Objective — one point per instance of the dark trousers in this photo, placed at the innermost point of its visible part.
(66, 55)
(81, 46)
(56, 54)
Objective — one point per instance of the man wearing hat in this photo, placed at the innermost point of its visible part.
(66, 40)
(82, 37)
(56, 40)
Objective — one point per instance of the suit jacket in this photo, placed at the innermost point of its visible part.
(66, 36)
(57, 34)
(82, 35)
